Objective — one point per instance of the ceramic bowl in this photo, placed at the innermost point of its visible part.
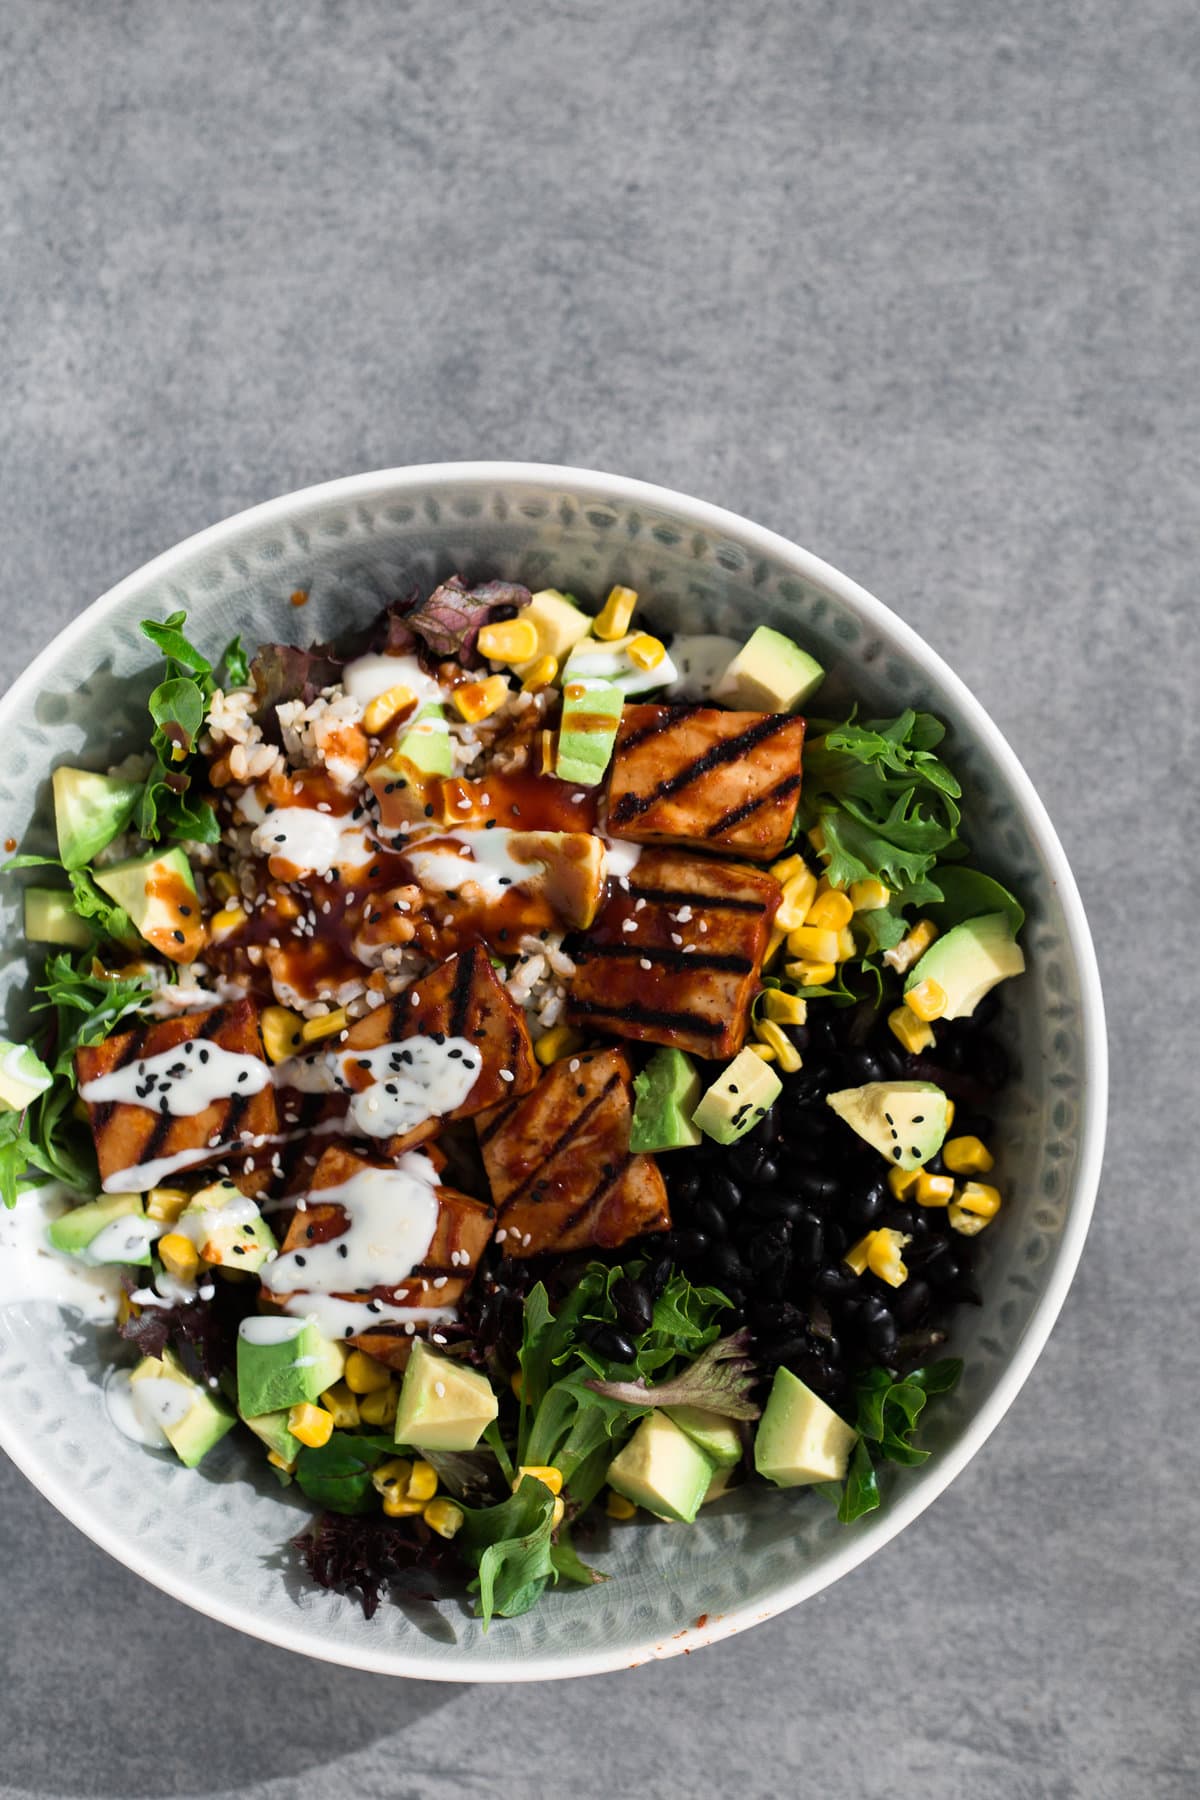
(217, 1538)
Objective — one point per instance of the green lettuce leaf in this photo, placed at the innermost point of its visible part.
(338, 1474)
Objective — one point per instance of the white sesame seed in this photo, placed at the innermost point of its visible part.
(578, 799)
(573, 1064)
(645, 963)
(416, 999)
(638, 905)
(629, 925)
(688, 949)
(501, 1235)
(684, 914)
(526, 1240)
(507, 1075)
(324, 806)
(703, 926)
(439, 1388)
(439, 1281)
(675, 938)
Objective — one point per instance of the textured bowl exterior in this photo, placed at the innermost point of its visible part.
(217, 1538)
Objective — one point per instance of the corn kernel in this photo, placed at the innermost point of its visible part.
(618, 1507)
(179, 1255)
(912, 1032)
(392, 1476)
(761, 1050)
(363, 1375)
(976, 1207)
(775, 944)
(342, 1405)
(477, 700)
(645, 652)
(790, 865)
(869, 895)
(901, 1181)
(799, 892)
(422, 1483)
(883, 1257)
(832, 909)
(785, 1009)
(511, 641)
(379, 712)
(328, 1025)
(225, 921)
(927, 1000)
(933, 1190)
(544, 1472)
(443, 1517)
(812, 943)
(380, 1407)
(166, 1204)
(949, 1114)
(911, 948)
(222, 885)
(968, 1156)
(558, 1514)
(811, 974)
(857, 1255)
(280, 1462)
(398, 1506)
(126, 1309)
(516, 1382)
(846, 945)
(539, 674)
(612, 621)
(281, 1033)
(776, 1039)
(553, 1045)
(311, 1424)
(816, 838)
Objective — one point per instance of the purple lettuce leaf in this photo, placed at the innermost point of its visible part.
(282, 672)
(449, 621)
(719, 1381)
(363, 1555)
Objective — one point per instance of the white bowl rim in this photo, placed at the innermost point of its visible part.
(940, 1471)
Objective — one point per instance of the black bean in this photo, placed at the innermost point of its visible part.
(606, 1340)
(687, 1246)
(912, 1303)
(836, 1280)
(686, 1185)
(808, 1239)
(767, 1172)
(866, 1067)
(657, 1275)
(744, 1157)
(724, 1265)
(635, 1308)
(771, 1203)
(867, 1205)
(881, 1334)
(817, 1186)
(726, 1192)
(784, 1350)
(707, 1216)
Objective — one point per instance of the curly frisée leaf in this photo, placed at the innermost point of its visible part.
(719, 1380)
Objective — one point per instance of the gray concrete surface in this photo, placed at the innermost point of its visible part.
(915, 285)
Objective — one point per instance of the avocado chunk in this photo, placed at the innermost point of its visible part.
(191, 1419)
(591, 716)
(50, 918)
(799, 1439)
(769, 674)
(227, 1228)
(596, 660)
(968, 962)
(663, 1469)
(113, 1229)
(666, 1094)
(443, 1404)
(559, 625)
(272, 1429)
(741, 1095)
(89, 812)
(720, 1484)
(281, 1362)
(159, 895)
(904, 1120)
(716, 1435)
(23, 1076)
(426, 743)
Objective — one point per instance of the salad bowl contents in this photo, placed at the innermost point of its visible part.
(528, 1069)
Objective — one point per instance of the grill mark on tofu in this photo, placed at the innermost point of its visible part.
(738, 814)
(690, 897)
(635, 1013)
(631, 806)
(671, 716)
(608, 1180)
(563, 1140)
(673, 959)
(460, 997)
(101, 1114)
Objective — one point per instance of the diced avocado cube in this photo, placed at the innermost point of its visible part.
(164, 1395)
(716, 1435)
(159, 894)
(663, 1469)
(904, 1120)
(227, 1228)
(609, 661)
(50, 918)
(89, 812)
(23, 1076)
(799, 1439)
(444, 1405)
(968, 962)
(426, 743)
(720, 1485)
(666, 1094)
(281, 1362)
(591, 717)
(113, 1229)
(740, 1096)
(272, 1429)
(769, 674)
(558, 623)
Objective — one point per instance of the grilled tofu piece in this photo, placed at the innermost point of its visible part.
(675, 956)
(559, 1164)
(140, 1146)
(697, 775)
(463, 997)
(460, 1236)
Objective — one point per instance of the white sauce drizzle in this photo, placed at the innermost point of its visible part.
(180, 1082)
(591, 662)
(14, 1066)
(488, 862)
(620, 858)
(367, 677)
(701, 660)
(391, 1217)
(143, 1176)
(124, 1240)
(32, 1270)
(270, 1328)
(411, 1081)
(160, 1401)
(121, 1404)
(347, 1318)
(310, 842)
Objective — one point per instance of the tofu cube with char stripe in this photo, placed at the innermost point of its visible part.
(461, 1234)
(142, 1146)
(462, 997)
(675, 956)
(698, 775)
(559, 1164)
